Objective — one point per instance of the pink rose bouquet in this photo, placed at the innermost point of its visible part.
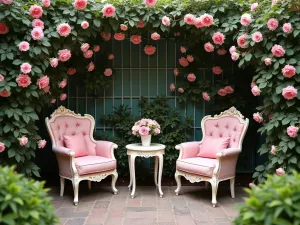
(145, 127)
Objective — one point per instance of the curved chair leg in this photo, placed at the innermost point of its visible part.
(76, 190)
(62, 186)
(214, 187)
(178, 181)
(155, 170)
(232, 182)
(113, 182)
(89, 184)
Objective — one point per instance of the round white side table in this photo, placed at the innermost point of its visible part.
(154, 150)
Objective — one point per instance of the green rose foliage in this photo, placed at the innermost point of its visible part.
(278, 112)
(19, 111)
(24, 201)
(276, 202)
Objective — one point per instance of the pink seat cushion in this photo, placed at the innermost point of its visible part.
(197, 165)
(211, 146)
(94, 164)
(76, 143)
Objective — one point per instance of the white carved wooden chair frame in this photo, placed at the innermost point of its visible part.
(76, 178)
(214, 180)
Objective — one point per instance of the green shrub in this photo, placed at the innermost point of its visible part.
(23, 201)
(276, 202)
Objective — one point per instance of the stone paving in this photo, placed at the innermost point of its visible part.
(99, 206)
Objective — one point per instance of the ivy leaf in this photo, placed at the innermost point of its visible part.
(260, 168)
(17, 62)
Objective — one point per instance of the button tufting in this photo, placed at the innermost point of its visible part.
(210, 134)
(73, 133)
(58, 127)
(83, 133)
(227, 127)
(217, 125)
(233, 140)
(66, 125)
(77, 124)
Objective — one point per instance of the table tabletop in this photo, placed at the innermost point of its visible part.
(139, 147)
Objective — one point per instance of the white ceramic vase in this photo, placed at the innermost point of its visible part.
(146, 140)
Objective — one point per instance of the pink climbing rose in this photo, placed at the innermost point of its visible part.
(64, 29)
(221, 52)
(246, 19)
(165, 21)
(111, 56)
(5, 93)
(229, 89)
(2, 147)
(280, 171)
(80, 4)
(46, 3)
(108, 10)
(143, 131)
(96, 48)
(172, 87)
(287, 28)
(235, 56)
(88, 54)
(25, 68)
(257, 117)
(198, 22)
(108, 72)
(254, 6)
(38, 23)
(191, 77)
(54, 62)
(209, 47)
(292, 131)
(289, 71)
(272, 24)
(141, 24)
(63, 83)
(222, 92)
(71, 71)
(189, 19)
(136, 39)
(105, 36)
(251, 185)
(289, 92)
(6, 2)
(119, 36)
(1, 77)
(24, 46)
(91, 66)
(273, 150)
(180, 90)
(206, 20)
(85, 24)
(53, 101)
(123, 27)
(182, 49)
(23, 140)
(232, 49)
(150, 3)
(23, 80)
(36, 11)
(241, 41)
(183, 62)
(176, 72)
(43, 82)
(268, 61)
(84, 47)
(255, 90)
(190, 58)
(278, 51)
(218, 38)
(3, 28)
(205, 96)
(155, 36)
(63, 97)
(42, 143)
(217, 70)
(64, 55)
(257, 37)
(149, 49)
(37, 33)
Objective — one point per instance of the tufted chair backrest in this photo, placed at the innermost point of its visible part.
(230, 123)
(66, 122)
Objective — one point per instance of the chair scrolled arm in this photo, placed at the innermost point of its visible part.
(63, 150)
(105, 148)
(229, 152)
(188, 149)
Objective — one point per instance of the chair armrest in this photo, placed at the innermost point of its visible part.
(229, 152)
(188, 149)
(63, 150)
(105, 149)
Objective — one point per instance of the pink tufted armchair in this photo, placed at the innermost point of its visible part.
(94, 164)
(196, 163)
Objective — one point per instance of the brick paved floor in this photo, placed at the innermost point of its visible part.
(99, 207)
